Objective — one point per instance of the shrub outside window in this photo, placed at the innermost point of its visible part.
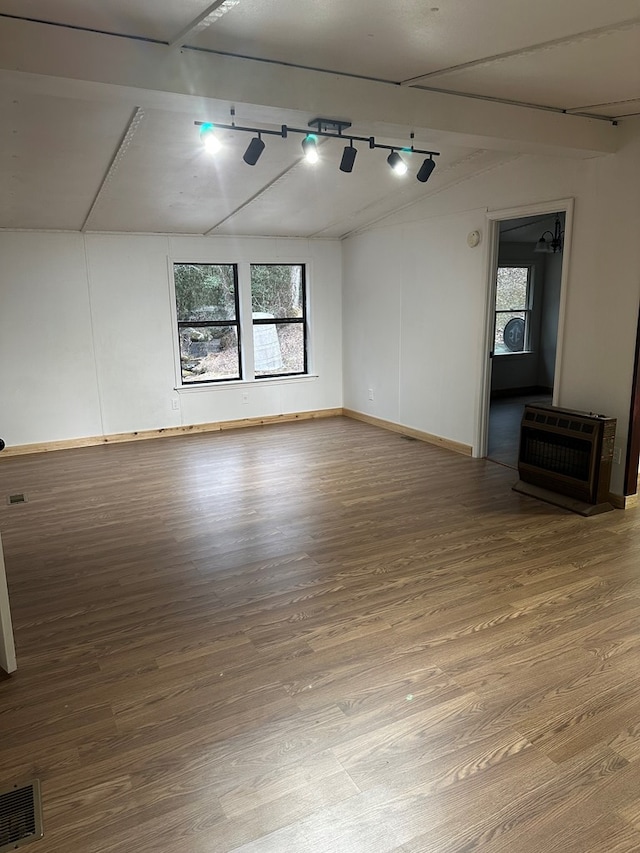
(513, 310)
(218, 305)
(278, 301)
(208, 315)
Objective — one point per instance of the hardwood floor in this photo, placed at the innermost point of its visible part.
(317, 637)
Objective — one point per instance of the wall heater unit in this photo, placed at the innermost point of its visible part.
(566, 453)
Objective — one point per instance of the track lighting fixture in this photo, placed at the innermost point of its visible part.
(424, 172)
(348, 158)
(254, 150)
(209, 138)
(397, 163)
(309, 148)
(322, 127)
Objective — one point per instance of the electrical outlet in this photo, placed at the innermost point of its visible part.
(245, 396)
(175, 405)
(371, 393)
(617, 455)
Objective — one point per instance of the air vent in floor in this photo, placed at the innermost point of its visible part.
(20, 815)
(17, 499)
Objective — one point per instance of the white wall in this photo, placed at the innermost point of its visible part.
(549, 320)
(47, 363)
(412, 333)
(86, 335)
(418, 271)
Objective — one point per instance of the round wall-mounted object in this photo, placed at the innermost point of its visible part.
(513, 334)
(473, 238)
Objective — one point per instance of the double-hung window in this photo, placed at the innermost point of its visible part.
(220, 305)
(279, 323)
(207, 310)
(514, 295)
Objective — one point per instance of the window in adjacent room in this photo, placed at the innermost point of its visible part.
(279, 319)
(208, 317)
(513, 310)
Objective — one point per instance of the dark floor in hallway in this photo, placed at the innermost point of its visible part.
(504, 426)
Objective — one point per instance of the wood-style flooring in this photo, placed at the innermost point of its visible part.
(317, 638)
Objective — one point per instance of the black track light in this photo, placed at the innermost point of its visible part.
(254, 150)
(397, 163)
(309, 148)
(399, 158)
(348, 158)
(424, 172)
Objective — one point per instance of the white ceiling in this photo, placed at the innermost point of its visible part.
(120, 157)
(528, 229)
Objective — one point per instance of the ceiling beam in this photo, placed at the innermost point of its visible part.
(70, 63)
(180, 39)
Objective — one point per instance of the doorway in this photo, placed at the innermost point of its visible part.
(526, 299)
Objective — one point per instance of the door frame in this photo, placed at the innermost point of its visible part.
(493, 219)
(632, 457)
(7, 645)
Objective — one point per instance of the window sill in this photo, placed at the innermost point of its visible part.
(245, 383)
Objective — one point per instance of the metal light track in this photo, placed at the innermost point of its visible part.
(329, 128)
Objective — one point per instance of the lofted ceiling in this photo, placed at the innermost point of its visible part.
(99, 100)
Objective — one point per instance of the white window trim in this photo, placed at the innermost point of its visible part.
(243, 265)
(528, 351)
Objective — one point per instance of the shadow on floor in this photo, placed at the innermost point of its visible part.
(505, 415)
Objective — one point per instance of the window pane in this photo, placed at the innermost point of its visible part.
(511, 292)
(209, 353)
(516, 333)
(276, 289)
(205, 291)
(278, 348)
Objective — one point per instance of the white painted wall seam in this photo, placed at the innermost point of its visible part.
(93, 338)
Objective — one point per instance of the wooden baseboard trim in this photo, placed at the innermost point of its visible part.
(219, 426)
(192, 429)
(447, 443)
(622, 501)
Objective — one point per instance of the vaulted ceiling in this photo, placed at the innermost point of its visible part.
(99, 100)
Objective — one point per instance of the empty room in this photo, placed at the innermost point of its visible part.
(292, 295)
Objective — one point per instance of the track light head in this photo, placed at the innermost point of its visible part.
(424, 172)
(397, 163)
(254, 150)
(209, 139)
(348, 158)
(309, 148)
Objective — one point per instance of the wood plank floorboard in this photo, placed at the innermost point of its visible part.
(317, 637)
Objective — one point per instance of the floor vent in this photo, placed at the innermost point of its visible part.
(408, 437)
(17, 499)
(20, 816)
